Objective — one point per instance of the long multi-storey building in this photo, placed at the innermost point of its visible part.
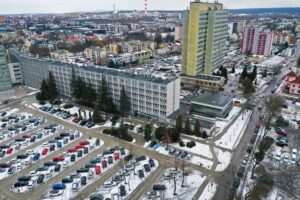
(97, 55)
(205, 33)
(257, 42)
(151, 97)
(5, 82)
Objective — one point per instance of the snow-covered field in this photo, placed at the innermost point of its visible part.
(64, 165)
(21, 164)
(209, 191)
(192, 181)
(131, 179)
(224, 158)
(234, 134)
(199, 149)
(69, 192)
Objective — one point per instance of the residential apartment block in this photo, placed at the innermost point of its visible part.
(97, 55)
(60, 55)
(257, 42)
(205, 33)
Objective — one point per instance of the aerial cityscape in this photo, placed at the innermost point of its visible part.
(150, 100)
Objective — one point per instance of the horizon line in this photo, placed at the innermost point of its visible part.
(127, 10)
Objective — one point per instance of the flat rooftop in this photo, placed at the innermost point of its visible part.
(212, 99)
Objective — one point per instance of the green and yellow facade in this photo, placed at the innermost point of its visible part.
(205, 31)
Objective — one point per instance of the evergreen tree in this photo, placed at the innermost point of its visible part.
(178, 123)
(233, 70)
(264, 74)
(73, 84)
(111, 108)
(90, 116)
(248, 86)
(224, 72)
(204, 135)
(148, 132)
(254, 73)
(52, 91)
(174, 135)
(124, 102)
(244, 74)
(96, 116)
(197, 128)
(187, 127)
(44, 91)
(90, 94)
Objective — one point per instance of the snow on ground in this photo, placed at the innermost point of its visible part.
(195, 159)
(10, 112)
(192, 182)
(209, 191)
(199, 149)
(224, 158)
(91, 177)
(132, 180)
(234, 134)
(222, 123)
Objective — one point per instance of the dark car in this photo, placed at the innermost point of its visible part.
(151, 162)
(83, 180)
(83, 122)
(57, 168)
(140, 158)
(67, 180)
(79, 154)
(147, 168)
(141, 174)
(236, 183)
(159, 187)
(110, 160)
(281, 143)
(73, 158)
(24, 178)
(40, 179)
(22, 156)
(128, 157)
(42, 168)
(83, 170)
(90, 165)
(86, 150)
(20, 184)
(95, 161)
(122, 190)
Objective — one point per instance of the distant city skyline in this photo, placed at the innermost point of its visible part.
(63, 6)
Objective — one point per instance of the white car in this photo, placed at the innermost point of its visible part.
(45, 144)
(49, 173)
(30, 152)
(55, 193)
(30, 185)
(286, 158)
(278, 156)
(109, 184)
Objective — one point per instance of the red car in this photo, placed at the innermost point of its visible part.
(79, 146)
(281, 131)
(44, 151)
(72, 150)
(75, 119)
(258, 126)
(116, 156)
(58, 158)
(98, 170)
(9, 150)
(84, 143)
(25, 136)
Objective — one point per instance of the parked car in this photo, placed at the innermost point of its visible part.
(141, 174)
(83, 180)
(122, 190)
(40, 179)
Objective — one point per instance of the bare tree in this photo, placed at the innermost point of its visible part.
(273, 106)
(183, 172)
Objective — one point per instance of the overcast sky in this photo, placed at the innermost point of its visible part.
(59, 6)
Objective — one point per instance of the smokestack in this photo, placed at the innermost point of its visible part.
(146, 6)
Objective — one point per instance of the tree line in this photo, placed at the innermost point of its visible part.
(82, 92)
